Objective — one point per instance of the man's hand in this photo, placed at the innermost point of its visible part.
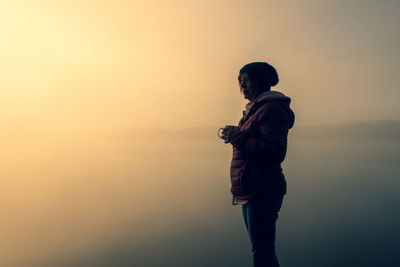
(229, 132)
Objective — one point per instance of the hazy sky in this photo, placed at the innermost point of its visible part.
(71, 67)
(110, 64)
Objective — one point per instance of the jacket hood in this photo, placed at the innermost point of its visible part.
(283, 100)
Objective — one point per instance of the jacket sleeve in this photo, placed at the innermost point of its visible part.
(270, 143)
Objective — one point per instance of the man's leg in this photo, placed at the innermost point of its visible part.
(260, 216)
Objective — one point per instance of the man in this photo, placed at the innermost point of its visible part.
(259, 147)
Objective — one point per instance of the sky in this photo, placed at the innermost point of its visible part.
(89, 65)
(77, 77)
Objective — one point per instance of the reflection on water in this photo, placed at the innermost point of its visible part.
(123, 199)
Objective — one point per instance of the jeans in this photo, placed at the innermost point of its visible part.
(260, 216)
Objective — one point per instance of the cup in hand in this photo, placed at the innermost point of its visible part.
(227, 128)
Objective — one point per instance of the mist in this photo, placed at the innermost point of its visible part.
(110, 112)
(161, 198)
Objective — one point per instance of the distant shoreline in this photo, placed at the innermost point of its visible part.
(385, 129)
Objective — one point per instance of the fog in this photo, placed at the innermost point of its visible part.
(99, 165)
(161, 198)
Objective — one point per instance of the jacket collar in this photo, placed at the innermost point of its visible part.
(265, 96)
(269, 95)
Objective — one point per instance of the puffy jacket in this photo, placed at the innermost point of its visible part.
(260, 147)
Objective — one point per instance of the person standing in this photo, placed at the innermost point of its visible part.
(259, 147)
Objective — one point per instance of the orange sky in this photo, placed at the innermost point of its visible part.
(122, 64)
(72, 69)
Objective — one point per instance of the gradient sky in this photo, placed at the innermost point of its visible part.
(73, 69)
(122, 64)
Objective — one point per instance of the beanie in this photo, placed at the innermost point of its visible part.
(262, 71)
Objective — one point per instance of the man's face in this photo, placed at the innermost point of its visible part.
(247, 86)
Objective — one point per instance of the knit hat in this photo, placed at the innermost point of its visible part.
(261, 71)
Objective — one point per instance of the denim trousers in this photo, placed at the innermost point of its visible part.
(260, 215)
